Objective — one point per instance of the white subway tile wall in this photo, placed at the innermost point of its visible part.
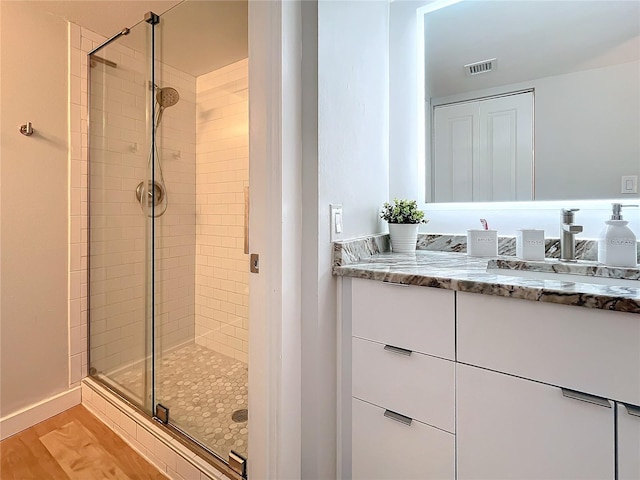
(175, 245)
(120, 152)
(222, 173)
(77, 206)
(118, 96)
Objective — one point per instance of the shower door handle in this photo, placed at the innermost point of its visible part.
(246, 220)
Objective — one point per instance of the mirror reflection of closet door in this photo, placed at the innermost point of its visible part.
(483, 150)
(456, 144)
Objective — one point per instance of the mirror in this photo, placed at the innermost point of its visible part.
(581, 61)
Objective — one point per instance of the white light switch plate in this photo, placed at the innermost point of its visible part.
(629, 184)
(336, 226)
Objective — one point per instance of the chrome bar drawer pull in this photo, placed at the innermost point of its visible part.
(395, 284)
(398, 350)
(632, 409)
(398, 417)
(585, 397)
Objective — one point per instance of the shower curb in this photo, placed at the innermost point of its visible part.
(172, 458)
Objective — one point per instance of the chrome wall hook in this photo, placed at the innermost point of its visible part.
(27, 129)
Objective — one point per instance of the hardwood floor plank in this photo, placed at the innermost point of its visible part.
(21, 461)
(15, 457)
(131, 464)
(79, 455)
(45, 461)
(72, 445)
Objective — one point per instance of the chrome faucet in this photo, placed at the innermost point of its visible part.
(568, 231)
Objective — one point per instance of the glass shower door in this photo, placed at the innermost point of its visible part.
(119, 142)
(168, 173)
(201, 270)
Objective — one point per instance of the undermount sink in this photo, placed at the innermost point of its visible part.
(587, 272)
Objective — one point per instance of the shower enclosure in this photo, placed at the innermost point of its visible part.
(168, 276)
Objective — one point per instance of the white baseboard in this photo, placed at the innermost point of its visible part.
(38, 412)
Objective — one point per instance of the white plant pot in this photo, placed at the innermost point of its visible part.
(404, 237)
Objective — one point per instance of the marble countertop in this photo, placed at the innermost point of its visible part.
(457, 271)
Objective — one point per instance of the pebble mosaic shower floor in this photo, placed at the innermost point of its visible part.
(202, 390)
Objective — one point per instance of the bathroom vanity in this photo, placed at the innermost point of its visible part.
(450, 371)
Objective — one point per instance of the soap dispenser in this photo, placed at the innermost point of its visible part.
(617, 243)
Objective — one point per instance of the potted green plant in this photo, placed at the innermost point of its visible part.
(404, 218)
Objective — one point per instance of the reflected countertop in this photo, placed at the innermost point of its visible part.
(459, 272)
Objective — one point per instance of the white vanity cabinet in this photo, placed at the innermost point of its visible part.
(402, 395)
(550, 410)
(438, 384)
(628, 442)
(511, 428)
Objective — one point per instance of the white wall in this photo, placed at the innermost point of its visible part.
(275, 110)
(353, 111)
(351, 169)
(586, 146)
(34, 332)
(404, 128)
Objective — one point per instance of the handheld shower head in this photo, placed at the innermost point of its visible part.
(167, 97)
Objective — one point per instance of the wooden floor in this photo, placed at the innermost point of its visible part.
(72, 445)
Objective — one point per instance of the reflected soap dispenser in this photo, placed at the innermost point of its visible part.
(617, 244)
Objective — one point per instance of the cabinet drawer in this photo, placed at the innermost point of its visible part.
(384, 448)
(628, 442)
(416, 385)
(511, 428)
(585, 349)
(416, 318)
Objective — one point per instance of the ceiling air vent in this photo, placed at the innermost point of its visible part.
(485, 66)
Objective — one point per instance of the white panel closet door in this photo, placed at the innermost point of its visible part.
(506, 148)
(456, 150)
(483, 150)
